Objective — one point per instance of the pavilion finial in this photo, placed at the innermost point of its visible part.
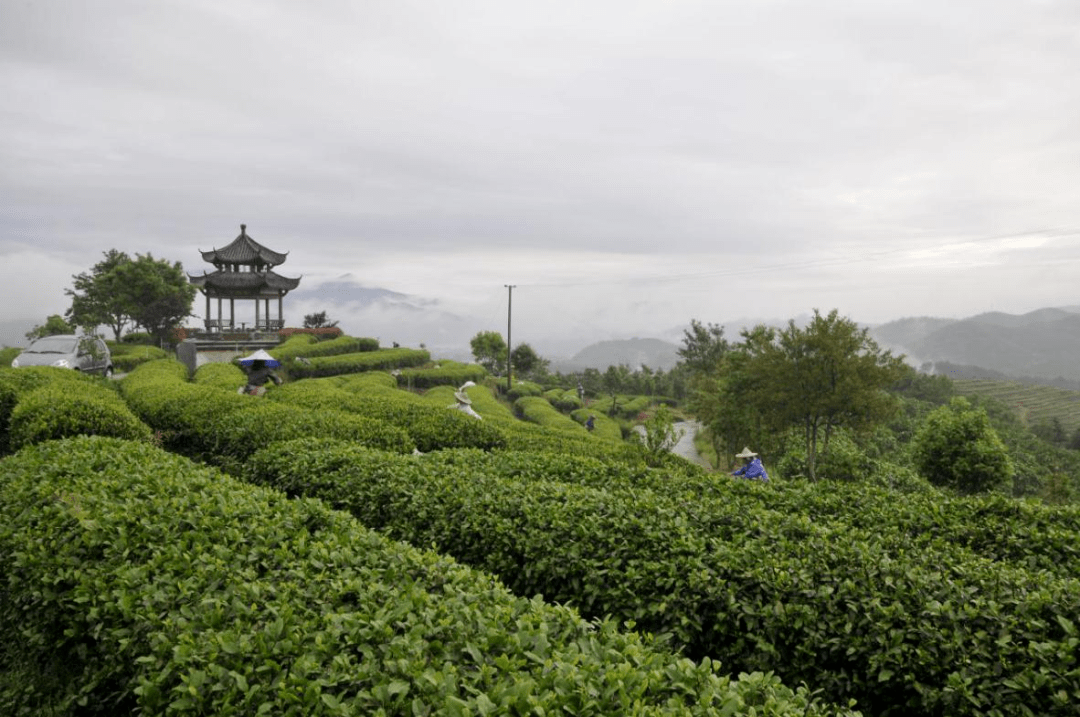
(243, 228)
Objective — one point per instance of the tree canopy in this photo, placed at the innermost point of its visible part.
(956, 447)
(318, 320)
(53, 325)
(150, 293)
(489, 350)
(818, 378)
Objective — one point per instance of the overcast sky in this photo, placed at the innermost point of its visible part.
(630, 164)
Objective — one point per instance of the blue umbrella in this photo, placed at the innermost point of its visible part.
(260, 355)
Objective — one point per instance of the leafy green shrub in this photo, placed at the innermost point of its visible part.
(137, 582)
(307, 346)
(566, 400)
(15, 383)
(7, 354)
(381, 360)
(226, 376)
(856, 613)
(445, 373)
(126, 356)
(956, 447)
(520, 389)
(138, 338)
(56, 411)
(430, 427)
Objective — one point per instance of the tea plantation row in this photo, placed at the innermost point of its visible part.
(840, 589)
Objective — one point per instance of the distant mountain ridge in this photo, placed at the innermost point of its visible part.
(635, 353)
(1042, 344)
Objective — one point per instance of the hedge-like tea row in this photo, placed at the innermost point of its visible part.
(224, 428)
(57, 411)
(139, 582)
(15, 383)
(306, 346)
(126, 357)
(226, 376)
(625, 406)
(431, 428)
(537, 409)
(934, 633)
(446, 373)
(1034, 536)
(380, 360)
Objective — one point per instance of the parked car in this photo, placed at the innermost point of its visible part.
(82, 353)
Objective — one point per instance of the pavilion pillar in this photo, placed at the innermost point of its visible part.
(207, 316)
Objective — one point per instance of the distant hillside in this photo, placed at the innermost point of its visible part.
(1043, 344)
(635, 353)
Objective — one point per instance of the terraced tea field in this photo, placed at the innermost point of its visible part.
(1032, 403)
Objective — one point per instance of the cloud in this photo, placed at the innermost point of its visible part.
(625, 164)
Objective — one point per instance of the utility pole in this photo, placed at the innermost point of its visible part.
(509, 303)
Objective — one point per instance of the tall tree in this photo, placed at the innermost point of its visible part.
(489, 350)
(53, 325)
(158, 293)
(817, 378)
(526, 361)
(98, 296)
(151, 293)
(703, 346)
(318, 320)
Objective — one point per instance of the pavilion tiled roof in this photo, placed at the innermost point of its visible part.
(244, 282)
(244, 250)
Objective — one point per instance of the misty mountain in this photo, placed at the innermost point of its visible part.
(635, 353)
(1042, 344)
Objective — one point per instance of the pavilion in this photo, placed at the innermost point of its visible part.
(244, 271)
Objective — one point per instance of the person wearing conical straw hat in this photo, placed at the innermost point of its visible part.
(751, 468)
(259, 367)
(464, 403)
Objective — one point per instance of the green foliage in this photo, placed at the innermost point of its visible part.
(226, 376)
(851, 609)
(379, 360)
(140, 583)
(99, 296)
(660, 435)
(958, 448)
(308, 346)
(126, 356)
(7, 354)
(527, 362)
(818, 378)
(703, 347)
(489, 350)
(430, 427)
(218, 425)
(137, 337)
(318, 320)
(55, 411)
(444, 373)
(53, 326)
(524, 388)
(151, 293)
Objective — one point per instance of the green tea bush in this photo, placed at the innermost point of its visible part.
(8, 353)
(137, 582)
(56, 411)
(932, 631)
(524, 388)
(430, 427)
(445, 373)
(127, 356)
(381, 360)
(536, 409)
(307, 346)
(565, 400)
(15, 383)
(226, 376)
(222, 427)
